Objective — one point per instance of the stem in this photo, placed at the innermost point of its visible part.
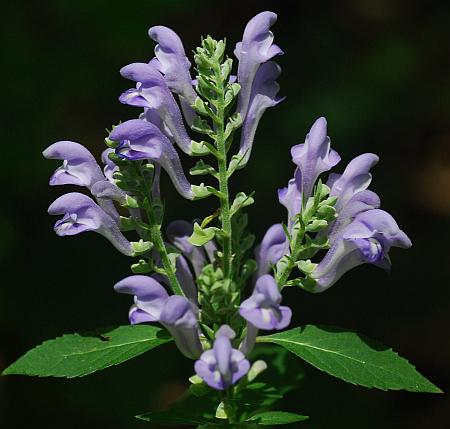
(156, 238)
(223, 178)
(292, 258)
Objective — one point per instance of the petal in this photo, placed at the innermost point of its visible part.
(173, 61)
(314, 157)
(136, 315)
(271, 249)
(142, 135)
(186, 279)
(256, 48)
(263, 95)
(360, 202)
(354, 179)
(180, 320)
(87, 212)
(267, 286)
(150, 295)
(222, 351)
(211, 377)
(80, 167)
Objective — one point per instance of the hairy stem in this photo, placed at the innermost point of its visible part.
(157, 240)
(223, 178)
(286, 272)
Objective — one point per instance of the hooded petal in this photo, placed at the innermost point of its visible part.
(314, 157)
(179, 319)
(291, 197)
(367, 239)
(358, 203)
(152, 92)
(354, 179)
(171, 60)
(79, 166)
(222, 366)
(81, 214)
(149, 297)
(263, 95)
(263, 308)
(256, 48)
(271, 249)
(143, 140)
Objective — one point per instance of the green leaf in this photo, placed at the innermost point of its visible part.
(201, 236)
(269, 418)
(352, 357)
(77, 355)
(241, 200)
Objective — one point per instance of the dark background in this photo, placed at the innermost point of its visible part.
(378, 70)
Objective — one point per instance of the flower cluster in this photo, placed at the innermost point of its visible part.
(194, 282)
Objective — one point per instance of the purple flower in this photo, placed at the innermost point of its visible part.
(184, 276)
(271, 249)
(153, 304)
(367, 239)
(178, 233)
(354, 179)
(81, 214)
(263, 95)
(222, 366)
(256, 48)
(142, 140)
(291, 197)
(152, 92)
(358, 203)
(179, 318)
(149, 298)
(314, 157)
(110, 167)
(172, 62)
(262, 309)
(79, 166)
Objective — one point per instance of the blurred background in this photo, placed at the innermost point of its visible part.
(378, 70)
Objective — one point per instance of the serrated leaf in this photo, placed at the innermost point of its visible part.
(77, 355)
(269, 418)
(352, 357)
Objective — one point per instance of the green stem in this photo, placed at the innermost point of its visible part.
(282, 279)
(223, 179)
(156, 238)
(158, 242)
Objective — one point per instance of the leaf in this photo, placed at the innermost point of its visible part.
(269, 418)
(77, 355)
(352, 357)
(201, 236)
